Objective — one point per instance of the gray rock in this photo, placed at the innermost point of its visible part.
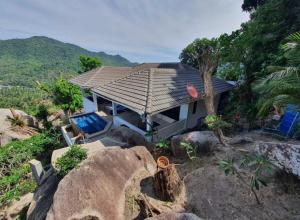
(204, 141)
(284, 156)
(96, 190)
(42, 199)
(175, 216)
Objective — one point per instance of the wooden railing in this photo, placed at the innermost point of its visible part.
(169, 130)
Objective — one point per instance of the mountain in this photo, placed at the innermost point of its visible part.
(23, 61)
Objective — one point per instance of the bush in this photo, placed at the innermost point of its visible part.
(14, 167)
(70, 160)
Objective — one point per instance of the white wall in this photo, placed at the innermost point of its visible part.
(88, 105)
(118, 121)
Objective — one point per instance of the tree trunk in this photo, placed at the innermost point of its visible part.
(209, 100)
(167, 183)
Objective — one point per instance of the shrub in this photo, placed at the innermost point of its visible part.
(190, 149)
(163, 144)
(215, 122)
(70, 160)
(14, 167)
(258, 165)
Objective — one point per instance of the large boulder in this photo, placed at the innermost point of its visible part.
(96, 190)
(126, 135)
(204, 141)
(283, 155)
(18, 207)
(7, 134)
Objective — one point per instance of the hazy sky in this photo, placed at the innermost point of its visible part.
(140, 30)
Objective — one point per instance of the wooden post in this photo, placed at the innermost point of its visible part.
(167, 183)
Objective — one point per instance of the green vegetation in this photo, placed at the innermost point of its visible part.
(70, 160)
(190, 149)
(25, 99)
(89, 63)
(256, 164)
(248, 54)
(63, 94)
(15, 180)
(23, 61)
(215, 122)
(282, 85)
(163, 144)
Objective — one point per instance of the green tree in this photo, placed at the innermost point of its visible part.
(65, 95)
(205, 55)
(282, 86)
(88, 63)
(250, 5)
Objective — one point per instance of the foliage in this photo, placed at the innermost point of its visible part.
(14, 167)
(163, 144)
(247, 53)
(70, 160)
(191, 54)
(282, 85)
(65, 95)
(23, 61)
(250, 5)
(89, 63)
(190, 149)
(258, 166)
(25, 99)
(215, 122)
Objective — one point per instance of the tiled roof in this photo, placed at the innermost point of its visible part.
(151, 88)
(100, 76)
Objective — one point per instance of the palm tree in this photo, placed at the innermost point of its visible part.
(282, 86)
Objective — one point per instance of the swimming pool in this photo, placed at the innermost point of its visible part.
(89, 123)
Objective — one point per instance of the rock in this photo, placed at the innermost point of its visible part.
(7, 134)
(42, 199)
(204, 141)
(285, 156)
(96, 190)
(123, 134)
(240, 140)
(18, 207)
(175, 216)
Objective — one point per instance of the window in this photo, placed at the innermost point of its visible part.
(194, 107)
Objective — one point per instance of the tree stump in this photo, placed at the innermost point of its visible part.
(167, 183)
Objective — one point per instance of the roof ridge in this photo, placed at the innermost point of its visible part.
(98, 69)
(117, 80)
(149, 91)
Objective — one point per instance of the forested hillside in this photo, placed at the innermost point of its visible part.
(23, 61)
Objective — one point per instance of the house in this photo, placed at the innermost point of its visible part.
(148, 98)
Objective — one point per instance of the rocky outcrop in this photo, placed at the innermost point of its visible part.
(285, 156)
(7, 134)
(175, 216)
(204, 141)
(18, 207)
(96, 190)
(42, 199)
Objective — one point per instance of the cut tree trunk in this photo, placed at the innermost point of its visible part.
(167, 183)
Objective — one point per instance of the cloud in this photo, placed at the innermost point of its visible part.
(141, 30)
